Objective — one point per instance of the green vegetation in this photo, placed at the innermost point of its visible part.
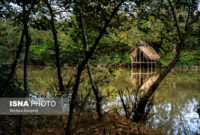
(87, 34)
(14, 87)
(114, 47)
(188, 58)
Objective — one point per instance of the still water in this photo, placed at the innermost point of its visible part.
(175, 102)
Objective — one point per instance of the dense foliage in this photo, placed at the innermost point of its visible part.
(130, 28)
(86, 32)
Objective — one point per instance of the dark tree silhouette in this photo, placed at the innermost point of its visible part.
(93, 85)
(57, 51)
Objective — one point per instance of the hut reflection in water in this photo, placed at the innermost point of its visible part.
(144, 67)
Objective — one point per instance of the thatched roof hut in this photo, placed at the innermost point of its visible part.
(146, 52)
(144, 61)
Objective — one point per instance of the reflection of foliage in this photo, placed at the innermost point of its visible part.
(175, 101)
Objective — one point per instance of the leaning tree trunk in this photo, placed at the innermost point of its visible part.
(145, 99)
(57, 51)
(27, 45)
(93, 85)
(182, 37)
(82, 66)
(20, 47)
(14, 64)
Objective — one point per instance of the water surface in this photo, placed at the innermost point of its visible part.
(175, 101)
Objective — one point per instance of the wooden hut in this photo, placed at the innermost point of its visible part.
(146, 58)
(144, 55)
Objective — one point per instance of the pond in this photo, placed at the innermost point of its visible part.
(175, 102)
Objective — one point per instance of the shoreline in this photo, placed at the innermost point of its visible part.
(179, 67)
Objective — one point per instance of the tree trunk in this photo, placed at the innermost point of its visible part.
(173, 47)
(182, 37)
(96, 92)
(13, 67)
(93, 85)
(82, 66)
(20, 130)
(57, 51)
(20, 46)
(28, 40)
(144, 100)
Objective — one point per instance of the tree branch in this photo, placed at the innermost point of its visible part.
(175, 19)
(145, 99)
(93, 85)
(57, 51)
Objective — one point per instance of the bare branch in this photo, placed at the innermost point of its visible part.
(175, 20)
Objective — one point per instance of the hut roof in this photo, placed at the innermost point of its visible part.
(148, 51)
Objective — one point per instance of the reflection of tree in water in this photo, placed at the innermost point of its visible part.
(175, 110)
(144, 77)
(141, 79)
(198, 109)
(174, 101)
(176, 114)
